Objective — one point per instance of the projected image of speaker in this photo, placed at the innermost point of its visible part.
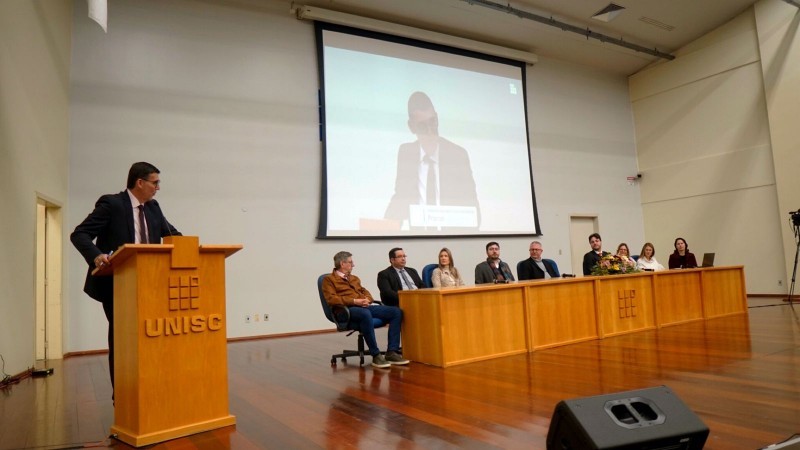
(653, 419)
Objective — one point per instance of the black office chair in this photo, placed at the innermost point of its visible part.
(344, 325)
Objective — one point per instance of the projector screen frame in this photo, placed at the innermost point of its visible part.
(323, 231)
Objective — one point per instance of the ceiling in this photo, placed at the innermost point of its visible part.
(690, 19)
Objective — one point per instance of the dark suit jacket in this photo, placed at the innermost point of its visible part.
(111, 223)
(529, 270)
(590, 259)
(389, 283)
(456, 183)
(485, 274)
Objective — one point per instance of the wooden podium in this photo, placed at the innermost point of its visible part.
(170, 340)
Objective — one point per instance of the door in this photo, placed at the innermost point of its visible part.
(48, 281)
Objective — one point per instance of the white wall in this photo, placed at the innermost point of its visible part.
(779, 47)
(34, 126)
(582, 147)
(703, 142)
(223, 99)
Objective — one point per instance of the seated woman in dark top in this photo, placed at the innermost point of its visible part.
(681, 258)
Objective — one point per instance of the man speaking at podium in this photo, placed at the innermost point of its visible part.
(434, 176)
(131, 216)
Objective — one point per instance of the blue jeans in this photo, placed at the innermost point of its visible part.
(361, 318)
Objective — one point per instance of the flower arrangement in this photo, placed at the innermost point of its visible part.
(614, 265)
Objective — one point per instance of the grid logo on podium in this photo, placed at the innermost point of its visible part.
(626, 300)
(183, 319)
(184, 292)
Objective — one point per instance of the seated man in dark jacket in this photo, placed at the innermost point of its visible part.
(397, 277)
(591, 258)
(535, 268)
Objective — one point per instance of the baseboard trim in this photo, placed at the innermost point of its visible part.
(280, 335)
(85, 353)
(236, 339)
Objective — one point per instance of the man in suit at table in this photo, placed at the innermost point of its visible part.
(493, 270)
(397, 277)
(535, 268)
(592, 257)
(431, 170)
(129, 217)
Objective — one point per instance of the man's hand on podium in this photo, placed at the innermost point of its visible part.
(101, 260)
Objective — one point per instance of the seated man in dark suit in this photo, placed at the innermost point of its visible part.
(493, 270)
(591, 258)
(342, 289)
(397, 277)
(535, 268)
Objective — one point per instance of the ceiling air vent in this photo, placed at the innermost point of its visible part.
(608, 13)
(656, 23)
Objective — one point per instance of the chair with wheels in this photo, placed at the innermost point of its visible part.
(342, 321)
(427, 273)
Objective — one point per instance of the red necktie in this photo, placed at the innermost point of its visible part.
(142, 226)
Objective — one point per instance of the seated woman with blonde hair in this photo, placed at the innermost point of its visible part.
(625, 254)
(647, 259)
(446, 274)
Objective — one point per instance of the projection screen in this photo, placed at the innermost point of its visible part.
(421, 140)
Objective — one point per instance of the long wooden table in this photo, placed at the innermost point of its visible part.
(458, 325)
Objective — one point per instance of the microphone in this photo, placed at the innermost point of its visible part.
(169, 227)
(166, 222)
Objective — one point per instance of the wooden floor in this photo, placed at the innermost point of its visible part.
(742, 377)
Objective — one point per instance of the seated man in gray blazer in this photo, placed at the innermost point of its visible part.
(493, 270)
(397, 277)
(535, 268)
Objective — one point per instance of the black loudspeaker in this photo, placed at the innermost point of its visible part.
(652, 419)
